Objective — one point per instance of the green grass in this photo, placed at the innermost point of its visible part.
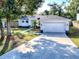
(20, 38)
(76, 21)
(26, 35)
(74, 35)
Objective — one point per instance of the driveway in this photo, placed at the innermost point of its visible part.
(46, 46)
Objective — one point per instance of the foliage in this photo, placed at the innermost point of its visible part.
(31, 6)
(53, 9)
(46, 12)
(1, 15)
(57, 9)
(72, 8)
(12, 9)
(74, 35)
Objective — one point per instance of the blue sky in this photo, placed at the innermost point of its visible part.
(46, 7)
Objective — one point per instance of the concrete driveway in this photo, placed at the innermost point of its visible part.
(46, 46)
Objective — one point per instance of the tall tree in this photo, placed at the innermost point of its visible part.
(14, 9)
(31, 6)
(60, 8)
(1, 25)
(11, 11)
(53, 9)
(56, 9)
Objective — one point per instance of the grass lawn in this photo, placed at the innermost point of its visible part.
(74, 35)
(20, 36)
(23, 34)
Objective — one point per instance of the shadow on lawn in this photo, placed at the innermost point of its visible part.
(74, 32)
(44, 49)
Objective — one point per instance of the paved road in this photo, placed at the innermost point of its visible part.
(46, 46)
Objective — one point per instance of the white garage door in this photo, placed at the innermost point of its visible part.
(54, 27)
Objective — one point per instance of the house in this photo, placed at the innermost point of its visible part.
(23, 21)
(53, 23)
(26, 21)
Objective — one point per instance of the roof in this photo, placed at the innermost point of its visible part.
(24, 18)
(52, 18)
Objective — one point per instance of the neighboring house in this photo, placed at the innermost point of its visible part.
(23, 22)
(53, 23)
(12, 23)
(28, 21)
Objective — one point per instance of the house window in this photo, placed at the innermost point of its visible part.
(26, 21)
(22, 21)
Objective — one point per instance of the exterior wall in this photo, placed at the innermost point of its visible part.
(30, 20)
(78, 16)
(12, 24)
(3, 23)
(66, 25)
(24, 24)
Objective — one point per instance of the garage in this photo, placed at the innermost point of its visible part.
(54, 27)
(53, 23)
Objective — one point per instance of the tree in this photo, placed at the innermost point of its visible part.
(53, 9)
(56, 9)
(46, 12)
(13, 9)
(1, 26)
(72, 8)
(31, 6)
(60, 9)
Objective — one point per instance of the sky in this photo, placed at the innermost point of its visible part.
(46, 7)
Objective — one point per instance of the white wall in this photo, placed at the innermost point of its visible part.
(66, 25)
(3, 23)
(20, 23)
(78, 16)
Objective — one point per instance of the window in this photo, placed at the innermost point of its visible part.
(22, 21)
(26, 21)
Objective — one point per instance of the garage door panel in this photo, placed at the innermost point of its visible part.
(54, 27)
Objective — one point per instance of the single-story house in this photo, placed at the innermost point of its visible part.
(26, 21)
(53, 23)
(23, 21)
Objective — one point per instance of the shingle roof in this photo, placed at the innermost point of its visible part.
(24, 18)
(52, 17)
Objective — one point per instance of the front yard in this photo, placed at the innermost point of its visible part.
(25, 34)
(21, 35)
(74, 35)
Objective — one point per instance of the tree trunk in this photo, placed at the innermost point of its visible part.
(5, 47)
(2, 34)
(8, 27)
(2, 31)
(8, 37)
